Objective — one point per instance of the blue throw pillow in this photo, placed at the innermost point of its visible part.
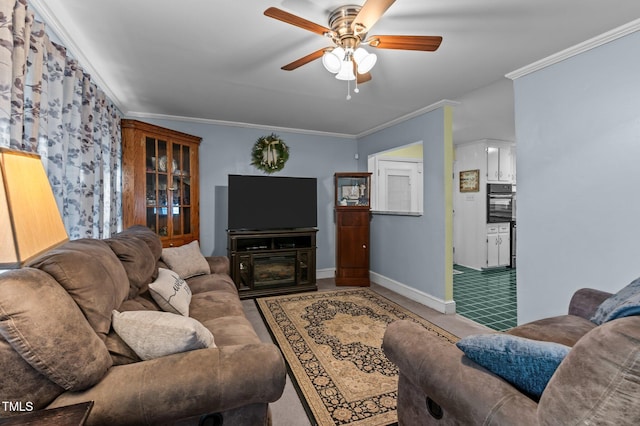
(526, 364)
(624, 303)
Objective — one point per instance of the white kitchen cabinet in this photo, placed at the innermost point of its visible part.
(499, 164)
(498, 244)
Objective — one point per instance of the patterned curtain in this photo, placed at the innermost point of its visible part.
(49, 105)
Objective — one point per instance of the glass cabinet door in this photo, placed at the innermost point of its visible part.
(181, 190)
(157, 185)
(352, 190)
(168, 183)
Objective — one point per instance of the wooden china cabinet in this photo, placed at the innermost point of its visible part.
(160, 181)
(353, 214)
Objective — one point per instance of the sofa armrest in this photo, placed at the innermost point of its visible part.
(219, 264)
(585, 302)
(184, 385)
(467, 393)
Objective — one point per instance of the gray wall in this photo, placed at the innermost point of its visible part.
(227, 150)
(407, 249)
(578, 132)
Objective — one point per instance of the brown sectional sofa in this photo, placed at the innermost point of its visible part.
(597, 383)
(57, 345)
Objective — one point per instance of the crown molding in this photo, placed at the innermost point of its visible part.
(432, 107)
(53, 24)
(133, 114)
(421, 111)
(592, 43)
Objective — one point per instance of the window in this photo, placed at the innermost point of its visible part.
(397, 180)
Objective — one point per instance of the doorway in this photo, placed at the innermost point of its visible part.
(484, 287)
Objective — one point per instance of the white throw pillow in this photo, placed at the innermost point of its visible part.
(153, 334)
(186, 260)
(171, 292)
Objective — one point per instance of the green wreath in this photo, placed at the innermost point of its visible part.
(269, 153)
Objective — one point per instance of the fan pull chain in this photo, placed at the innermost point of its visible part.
(348, 90)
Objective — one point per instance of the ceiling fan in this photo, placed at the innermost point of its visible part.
(348, 28)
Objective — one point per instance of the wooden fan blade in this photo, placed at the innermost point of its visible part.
(369, 14)
(305, 60)
(424, 43)
(281, 15)
(363, 78)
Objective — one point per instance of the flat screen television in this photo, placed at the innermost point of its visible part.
(272, 202)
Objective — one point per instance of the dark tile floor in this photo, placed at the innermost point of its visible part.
(486, 297)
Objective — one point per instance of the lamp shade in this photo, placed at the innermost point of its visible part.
(346, 71)
(30, 222)
(365, 60)
(333, 60)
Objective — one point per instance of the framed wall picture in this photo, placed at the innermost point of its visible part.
(470, 181)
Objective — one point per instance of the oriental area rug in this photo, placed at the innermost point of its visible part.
(332, 343)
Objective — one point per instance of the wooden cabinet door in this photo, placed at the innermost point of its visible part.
(352, 248)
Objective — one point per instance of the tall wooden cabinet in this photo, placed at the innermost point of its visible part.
(160, 181)
(353, 214)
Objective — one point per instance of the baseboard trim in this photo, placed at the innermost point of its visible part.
(442, 306)
(325, 273)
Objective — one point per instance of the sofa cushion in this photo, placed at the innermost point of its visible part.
(215, 304)
(624, 303)
(171, 292)
(599, 381)
(120, 352)
(22, 382)
(525, 363)
(232, 331)
(92, 274)
(563, 329)
(153, 334)
(44, 325)
(137, 260)
(186, 260)
(210, 282)
(147, 235)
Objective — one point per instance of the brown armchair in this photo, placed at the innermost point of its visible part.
(597, 383)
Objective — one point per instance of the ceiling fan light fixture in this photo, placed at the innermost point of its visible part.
(365, 60)
(332, 60)
(348, 29)
(346, 71)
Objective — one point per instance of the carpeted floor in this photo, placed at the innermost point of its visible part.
(332, 344)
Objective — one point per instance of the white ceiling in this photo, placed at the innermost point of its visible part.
(220, 60)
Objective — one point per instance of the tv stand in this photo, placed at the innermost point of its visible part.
(267, 263)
